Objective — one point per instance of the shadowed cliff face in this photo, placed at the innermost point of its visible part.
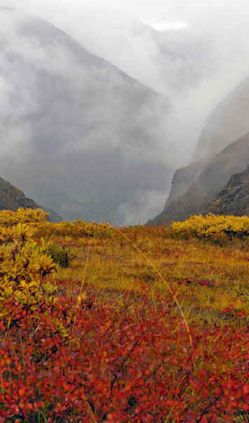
(234, 198)
(208, 183)
(12, 198)
(78, 135)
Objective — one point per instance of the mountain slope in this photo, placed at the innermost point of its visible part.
(11, 198)
(79, 134)
(195, 185)
(208, 183)
(228, 122)
(234, 198)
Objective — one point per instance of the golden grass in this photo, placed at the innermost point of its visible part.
(206, 278)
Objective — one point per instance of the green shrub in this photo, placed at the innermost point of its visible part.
(60, 255)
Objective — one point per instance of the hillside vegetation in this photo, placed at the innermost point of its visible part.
(214, 228)
(143, 324)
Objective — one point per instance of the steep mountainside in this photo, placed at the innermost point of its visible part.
(12, 198)
(228, 122)
(234, 198)
(78, 134)
(209, 182)
(183, 179)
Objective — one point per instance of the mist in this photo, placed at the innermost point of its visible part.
(192, 53)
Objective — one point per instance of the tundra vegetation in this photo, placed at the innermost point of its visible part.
(140, 324)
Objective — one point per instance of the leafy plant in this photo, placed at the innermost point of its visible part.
(213, 227)
(26, 272)
(59, 255)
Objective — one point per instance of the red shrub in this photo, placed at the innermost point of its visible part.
(111, 363)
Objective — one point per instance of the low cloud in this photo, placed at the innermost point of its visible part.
(143, 206)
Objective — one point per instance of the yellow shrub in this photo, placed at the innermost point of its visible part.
(25, 269)
(76, 229)
(11, 218)
(213, 227)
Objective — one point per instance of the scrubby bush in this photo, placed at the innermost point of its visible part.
(212, 227)
(97, 363)
(77, 229)
(11, 218)
(26, 270)
(60, 255)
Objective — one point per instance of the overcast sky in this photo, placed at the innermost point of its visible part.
(225, 20)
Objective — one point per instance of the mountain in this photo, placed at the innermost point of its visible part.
(11, 198)
(218, 156)
(228, 122)
(234, 198)
(78, 134)
(207, 184)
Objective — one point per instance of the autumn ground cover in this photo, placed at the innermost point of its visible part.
(131, 325)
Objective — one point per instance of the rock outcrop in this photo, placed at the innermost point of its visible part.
(11, 198)
(234, 198)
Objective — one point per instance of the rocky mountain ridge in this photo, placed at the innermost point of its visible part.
(207, 184)
(12, 198)
(234, 198)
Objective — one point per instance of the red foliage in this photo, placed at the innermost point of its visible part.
(100, 362)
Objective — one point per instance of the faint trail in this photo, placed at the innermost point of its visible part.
(163, 280)
(85, 270)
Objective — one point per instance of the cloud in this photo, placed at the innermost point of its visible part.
(141, 207)
(213, 29)
(162, 26)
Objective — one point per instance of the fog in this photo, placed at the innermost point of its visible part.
(114, 30)
(192, 52)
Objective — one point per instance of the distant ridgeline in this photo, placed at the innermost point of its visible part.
(12, 198)
(211, 183)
